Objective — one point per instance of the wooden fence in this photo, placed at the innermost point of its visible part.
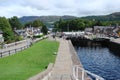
(15, 43)
(13, 51)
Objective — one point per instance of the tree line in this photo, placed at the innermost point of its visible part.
(81, 24)
(8, 26)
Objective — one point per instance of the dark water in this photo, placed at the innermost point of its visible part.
(101, 61)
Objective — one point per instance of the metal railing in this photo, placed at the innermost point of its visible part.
(78, 70)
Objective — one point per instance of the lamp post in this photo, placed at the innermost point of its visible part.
(68, 27)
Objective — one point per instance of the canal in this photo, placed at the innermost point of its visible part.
(99, 60)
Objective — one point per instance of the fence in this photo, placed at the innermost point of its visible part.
(27, 42)
(9, 52)
(13, 44)
(78, 70)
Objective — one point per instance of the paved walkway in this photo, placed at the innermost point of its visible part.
(62, 69)
(116, 40)
(63, 66)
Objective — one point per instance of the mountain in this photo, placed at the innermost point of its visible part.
(48, 20)
(111, 17)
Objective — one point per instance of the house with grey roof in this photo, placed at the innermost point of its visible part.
(103, 29)
(106, 30)
(29, 32)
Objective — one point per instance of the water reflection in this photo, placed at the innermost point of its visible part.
(101, 61)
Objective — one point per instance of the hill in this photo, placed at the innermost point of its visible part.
(111, 17)
(48, 20)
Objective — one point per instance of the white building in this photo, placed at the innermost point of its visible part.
(29, 32)
(88, 29)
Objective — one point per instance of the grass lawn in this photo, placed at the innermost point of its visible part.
(29, 62)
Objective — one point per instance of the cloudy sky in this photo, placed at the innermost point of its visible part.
(9, 8)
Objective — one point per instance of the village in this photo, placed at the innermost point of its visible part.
(27, 33)
(32, 32)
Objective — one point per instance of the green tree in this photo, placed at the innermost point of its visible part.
(15, 23)
(28, 24)
(81, 25)
(7, 30)
(37, 23)
(98, 23)
(44, 30)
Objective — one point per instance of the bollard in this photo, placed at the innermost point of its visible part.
(1, 54)
(9, 52)
(15, 50)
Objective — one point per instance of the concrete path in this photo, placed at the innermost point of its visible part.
(116, 40)
(63, 66)
(62, 69)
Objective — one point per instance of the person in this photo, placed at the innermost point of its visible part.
(63, 35)
(54, 37)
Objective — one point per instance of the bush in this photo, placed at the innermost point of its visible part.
(18, 38)
(38, 36)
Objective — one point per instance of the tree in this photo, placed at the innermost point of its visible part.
(7, 30)
(37, 23)
(28, 24)
(81, 25)
(15, 23)
(98, 23)
(44, 30)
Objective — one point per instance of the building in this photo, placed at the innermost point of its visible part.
(29, 32)
(106, 31)
(103, 29)
(88, 29)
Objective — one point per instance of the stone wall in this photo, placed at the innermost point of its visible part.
(41, 75)
(74, 55)
(114, 48)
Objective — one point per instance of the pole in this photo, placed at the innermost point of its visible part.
(68, 27)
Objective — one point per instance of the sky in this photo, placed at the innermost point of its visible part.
(9, 8)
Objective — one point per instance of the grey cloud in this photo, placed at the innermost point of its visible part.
(32, 5)
(60, 7)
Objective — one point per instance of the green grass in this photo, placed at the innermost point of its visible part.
(29, 62)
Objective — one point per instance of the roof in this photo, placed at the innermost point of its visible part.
(19, 31)
(88, 29)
